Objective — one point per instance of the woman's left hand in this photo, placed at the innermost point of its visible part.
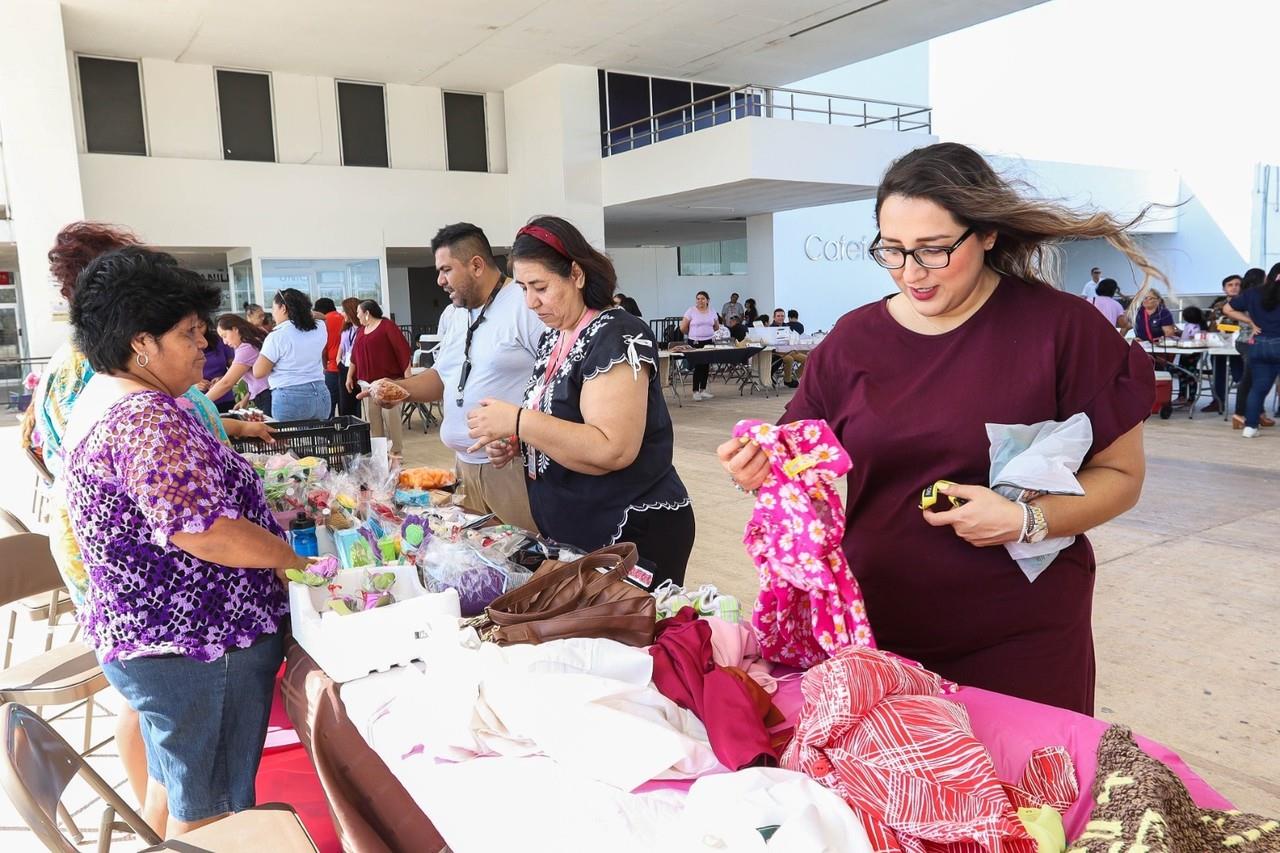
(490, 421)
(986, 519)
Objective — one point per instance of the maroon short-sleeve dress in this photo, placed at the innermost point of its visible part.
(911, 409)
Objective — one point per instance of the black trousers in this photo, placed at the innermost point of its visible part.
(347, 402)
(664, 538)
(701, 372)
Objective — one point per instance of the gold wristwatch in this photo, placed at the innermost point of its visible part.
(1037, 528)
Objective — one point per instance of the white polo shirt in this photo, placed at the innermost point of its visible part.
(502, 353)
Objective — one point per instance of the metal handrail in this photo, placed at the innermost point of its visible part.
(761, 101)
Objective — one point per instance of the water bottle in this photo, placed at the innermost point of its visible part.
(302, 533)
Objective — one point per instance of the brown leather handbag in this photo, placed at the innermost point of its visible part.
(586, 598)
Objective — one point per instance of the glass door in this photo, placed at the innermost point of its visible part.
(11, 365)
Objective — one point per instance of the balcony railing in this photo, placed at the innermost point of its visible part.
(766, 102)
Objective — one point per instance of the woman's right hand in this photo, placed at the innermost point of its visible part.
(501, 452)
(745, 461)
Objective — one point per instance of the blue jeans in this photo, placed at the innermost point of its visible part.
(307, 402)
(203, 724)
(1264, 362)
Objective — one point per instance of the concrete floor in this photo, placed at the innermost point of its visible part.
(1186, 610)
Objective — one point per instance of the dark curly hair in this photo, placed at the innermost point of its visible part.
(601, 278)
(298, 306)
(129, 292)
(79, 243)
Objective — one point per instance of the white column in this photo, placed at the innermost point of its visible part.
(760, 284)
(41, 161)
(554, 167)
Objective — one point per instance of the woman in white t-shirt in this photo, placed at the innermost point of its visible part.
(292, 360)
(699, 325)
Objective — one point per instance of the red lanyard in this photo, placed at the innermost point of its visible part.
(564, 345)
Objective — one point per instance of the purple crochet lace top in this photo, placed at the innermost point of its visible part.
(144, 472)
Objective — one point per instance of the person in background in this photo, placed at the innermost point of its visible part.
(489, 340)
(333, 329)
(626, 303)
(594, 426)
(779, 318)
(1222, 363)
(380, 352)
(737, 328)
(699, 325)
(1260, 307)
(254, 314)
(793, 360)
(1253, 277)
(1091, 286)
(217, 361)
(291, 360)
(966, 253)
(185, 605)
(245, 341)
(348, 402)
(793, 320)
(750, 314)
(732, 308)
(1107, 304)
(1192, 325)
(1154, 320)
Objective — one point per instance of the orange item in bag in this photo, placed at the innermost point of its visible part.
(426, 478)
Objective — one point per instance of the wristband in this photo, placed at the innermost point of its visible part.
(519, 412)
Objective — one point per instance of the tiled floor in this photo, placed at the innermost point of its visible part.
(1186, 610)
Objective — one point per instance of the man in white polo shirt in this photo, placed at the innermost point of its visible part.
(487, 349)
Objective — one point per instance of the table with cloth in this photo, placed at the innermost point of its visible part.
(385, 797)
(756, 360)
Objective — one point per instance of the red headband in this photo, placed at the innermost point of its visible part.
(542, 235)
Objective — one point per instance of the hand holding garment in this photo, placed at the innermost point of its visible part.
(810, 605)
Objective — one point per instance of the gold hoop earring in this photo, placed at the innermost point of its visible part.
(142, 359)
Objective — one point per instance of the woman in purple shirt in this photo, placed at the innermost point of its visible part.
(183, 606)
(245, 340)
(217, 359)
(909, 384)
(699, 325)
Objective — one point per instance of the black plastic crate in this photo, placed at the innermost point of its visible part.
(335, 440)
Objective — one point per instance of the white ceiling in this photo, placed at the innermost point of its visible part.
(491, 44)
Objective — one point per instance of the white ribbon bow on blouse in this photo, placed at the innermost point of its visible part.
(633, 357)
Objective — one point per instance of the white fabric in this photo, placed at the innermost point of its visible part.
(298, 356)
(1090, 288)
(503, 349)
(589, 704)
(1044, 457)
(724, 813)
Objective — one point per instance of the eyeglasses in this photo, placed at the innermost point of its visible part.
(929, 257)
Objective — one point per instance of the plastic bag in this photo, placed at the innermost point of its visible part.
(458, 565)
(1043, 457)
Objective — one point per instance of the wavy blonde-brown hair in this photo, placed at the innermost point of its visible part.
(1029, 230)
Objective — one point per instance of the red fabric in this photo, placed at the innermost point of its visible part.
(911, 409)
(333, 326)
(382, 354)
(906, 760)
(684, 672)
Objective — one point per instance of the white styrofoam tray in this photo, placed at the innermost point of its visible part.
(352, 646)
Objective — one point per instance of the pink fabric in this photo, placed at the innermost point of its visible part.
(809, 606)
(733, 644)
(875, 731)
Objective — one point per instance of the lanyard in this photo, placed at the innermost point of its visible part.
(564, 345)
(471, 330)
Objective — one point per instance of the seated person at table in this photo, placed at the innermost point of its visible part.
(594, 429)
(1154, 320)
(793, 320)
(1192, 325)
(737, 329)
(1108, 306)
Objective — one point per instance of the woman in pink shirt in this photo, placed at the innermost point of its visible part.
(698, 326)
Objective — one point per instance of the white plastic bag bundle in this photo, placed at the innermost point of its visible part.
(1044, 457)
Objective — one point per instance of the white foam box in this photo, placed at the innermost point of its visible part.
(352, 646)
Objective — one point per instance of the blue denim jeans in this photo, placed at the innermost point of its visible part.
(307, 402)
(1264, 363)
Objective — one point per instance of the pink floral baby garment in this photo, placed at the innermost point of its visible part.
(810, 605)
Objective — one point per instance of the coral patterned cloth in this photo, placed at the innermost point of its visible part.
(810, 605)
(874, 730)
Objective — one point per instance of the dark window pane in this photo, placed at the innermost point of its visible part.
(244, 106)
(112, 98)
(672, 95)
(628, 102)
(465, 145)
(362, 120)
(713, 112)
(602, 88)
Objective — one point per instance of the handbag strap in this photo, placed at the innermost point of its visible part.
(582, 576)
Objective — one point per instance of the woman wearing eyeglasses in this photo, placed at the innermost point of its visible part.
(594, 429)
(976, 334)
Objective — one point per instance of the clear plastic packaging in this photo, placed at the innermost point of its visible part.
(460, 566)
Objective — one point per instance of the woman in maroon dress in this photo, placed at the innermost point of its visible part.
(975, 335)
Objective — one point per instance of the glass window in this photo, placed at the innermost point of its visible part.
(672, 95)
(724, 257)
(241, 285)
(244, 110)
(336, 278)
(362, 122)
(713, 112)
(628, 102)
(466, 142)
(111, 95)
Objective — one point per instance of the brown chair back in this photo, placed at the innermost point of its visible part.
(26, 567)
(36, 765)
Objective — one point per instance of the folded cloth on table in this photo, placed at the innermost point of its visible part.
(733, 644)
(1044, 458)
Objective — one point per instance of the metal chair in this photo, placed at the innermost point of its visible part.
(37, 765)
(37, 607)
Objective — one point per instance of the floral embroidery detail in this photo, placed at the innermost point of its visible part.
(810, 605)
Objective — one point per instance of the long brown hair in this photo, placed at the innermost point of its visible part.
(1029, 230)
(249, 333)
(349, 306)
